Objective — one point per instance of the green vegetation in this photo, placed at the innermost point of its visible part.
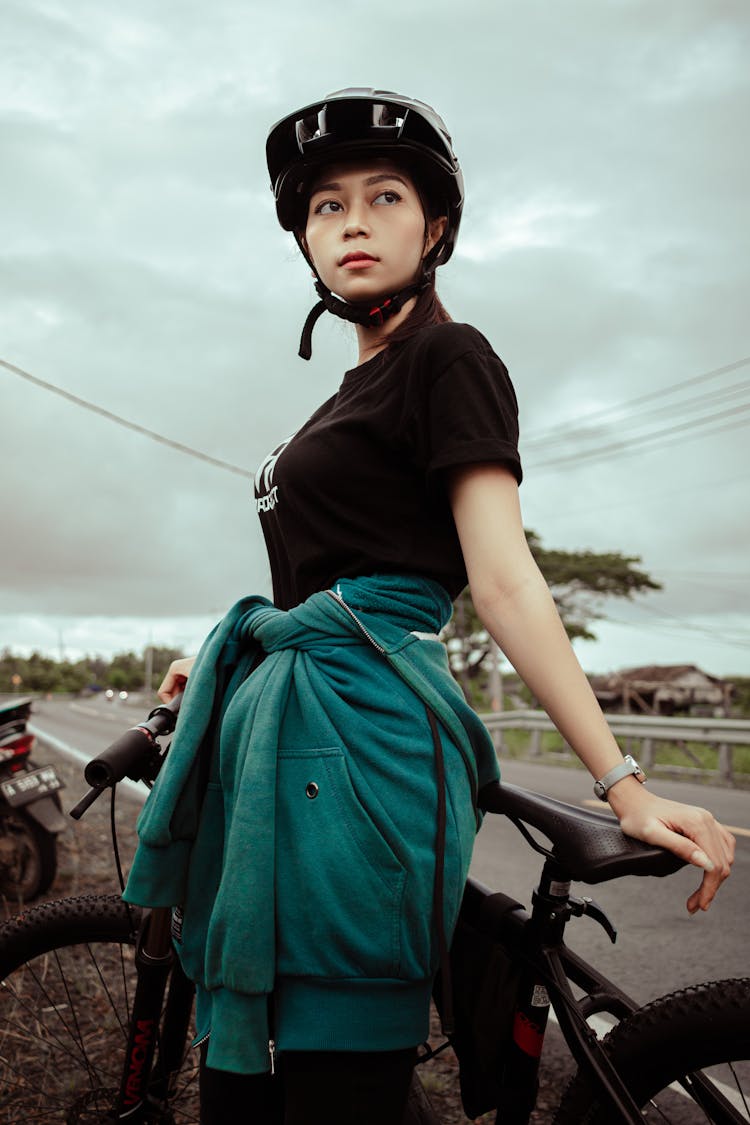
(124, 672)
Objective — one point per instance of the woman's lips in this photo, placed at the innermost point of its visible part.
(357, 261)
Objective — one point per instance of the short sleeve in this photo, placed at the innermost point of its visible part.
(468, 410)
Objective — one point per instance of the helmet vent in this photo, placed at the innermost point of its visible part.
(386, 115)
(308, 128)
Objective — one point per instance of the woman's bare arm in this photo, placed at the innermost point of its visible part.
(514, 603)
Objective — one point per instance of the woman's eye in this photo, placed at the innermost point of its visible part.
(388, 196)
(328, 207)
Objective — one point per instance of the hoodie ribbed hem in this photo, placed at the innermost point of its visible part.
(314, 1014)
(311, 1014)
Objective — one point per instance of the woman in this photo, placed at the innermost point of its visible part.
(314, 824)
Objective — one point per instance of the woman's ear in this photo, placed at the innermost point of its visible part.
(302, 243)
(435, 231)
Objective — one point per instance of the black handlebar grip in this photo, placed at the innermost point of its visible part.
(129, 755)
(124, 758)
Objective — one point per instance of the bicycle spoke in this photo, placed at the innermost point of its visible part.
(64, 1021)
(32, 1010)
(105, 988)
(692, 1102)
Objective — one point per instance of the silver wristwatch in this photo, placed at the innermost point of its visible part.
(625, 768)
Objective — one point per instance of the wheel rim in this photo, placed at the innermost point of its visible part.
(63, 1029)
(726, 1098)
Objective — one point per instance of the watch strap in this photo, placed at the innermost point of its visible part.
(624, 769)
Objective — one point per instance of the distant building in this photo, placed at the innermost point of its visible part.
(663, 690)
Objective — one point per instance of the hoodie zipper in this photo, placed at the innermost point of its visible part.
(337, 598)
(366, 633)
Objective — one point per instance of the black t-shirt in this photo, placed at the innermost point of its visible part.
(359, 489)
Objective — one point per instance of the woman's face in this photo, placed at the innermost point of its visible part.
(366, 229)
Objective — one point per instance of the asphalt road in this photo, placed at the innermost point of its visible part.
(660, 947)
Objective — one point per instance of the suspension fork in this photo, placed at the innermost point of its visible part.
(143, 1082)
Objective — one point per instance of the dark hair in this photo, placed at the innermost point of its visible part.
(427, 310)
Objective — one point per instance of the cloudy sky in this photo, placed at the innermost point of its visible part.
(604, 251)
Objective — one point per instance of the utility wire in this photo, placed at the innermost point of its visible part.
(613, 448)
(678, 630)
(631, 444)
(127, 424)
(731, 635)
(739, 575)
(572, 432)
(604, 411)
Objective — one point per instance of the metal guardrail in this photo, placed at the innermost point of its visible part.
(724, 734)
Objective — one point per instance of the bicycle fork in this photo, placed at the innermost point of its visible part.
(145, 1087)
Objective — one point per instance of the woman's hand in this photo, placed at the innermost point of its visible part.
(176, 678)
(687, 830)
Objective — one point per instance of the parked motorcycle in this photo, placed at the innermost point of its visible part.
(30, 810)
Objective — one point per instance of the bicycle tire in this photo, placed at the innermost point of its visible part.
(67, 980)
(703, 1028)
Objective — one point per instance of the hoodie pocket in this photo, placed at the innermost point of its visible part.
(339, 884)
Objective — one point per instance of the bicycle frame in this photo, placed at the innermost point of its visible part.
(537, 941)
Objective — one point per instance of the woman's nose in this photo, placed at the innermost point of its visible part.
(356, 223)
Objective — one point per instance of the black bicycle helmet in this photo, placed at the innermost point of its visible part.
(353, 123)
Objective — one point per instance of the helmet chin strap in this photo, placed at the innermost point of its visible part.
(361, 312)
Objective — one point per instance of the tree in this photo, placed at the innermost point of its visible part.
(580, 583)
(161, 658)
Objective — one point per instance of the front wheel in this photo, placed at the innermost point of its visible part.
(28, 857)
(67, 981)
(662, 1046)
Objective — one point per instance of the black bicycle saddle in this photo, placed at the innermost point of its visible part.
(590, 846)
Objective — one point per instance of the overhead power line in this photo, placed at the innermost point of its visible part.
(569, 432)
(623, 422)
(607, 414)
(631, 444)
(732, 640)
(127, 424)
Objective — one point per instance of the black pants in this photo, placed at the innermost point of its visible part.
(312, 1088)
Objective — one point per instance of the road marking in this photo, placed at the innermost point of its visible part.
(597, 804)
(131, 788)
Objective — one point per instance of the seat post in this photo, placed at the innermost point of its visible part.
(550, 912)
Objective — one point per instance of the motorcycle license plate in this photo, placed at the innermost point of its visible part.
(26, 787)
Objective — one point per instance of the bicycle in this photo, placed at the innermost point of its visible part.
(96, 1024)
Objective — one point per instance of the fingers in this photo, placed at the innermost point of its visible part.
(716, 860)
(175, 679)
(692, 834)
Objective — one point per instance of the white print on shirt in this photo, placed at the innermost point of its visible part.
(267, 493)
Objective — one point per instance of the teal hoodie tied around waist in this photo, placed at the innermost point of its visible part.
(294, 821)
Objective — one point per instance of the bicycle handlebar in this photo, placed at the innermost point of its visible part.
(135, 754)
